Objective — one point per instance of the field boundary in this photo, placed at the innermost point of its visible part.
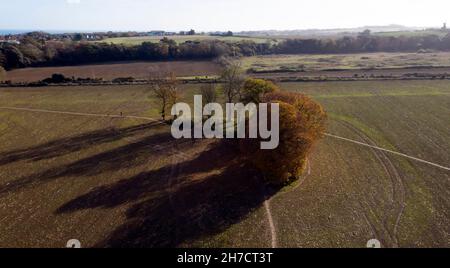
(200, 80)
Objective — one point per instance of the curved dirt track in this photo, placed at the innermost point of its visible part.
(398, 198)
(273, 230)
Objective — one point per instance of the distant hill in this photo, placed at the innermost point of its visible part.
(331, 32)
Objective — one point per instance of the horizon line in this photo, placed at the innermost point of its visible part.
(212, 31)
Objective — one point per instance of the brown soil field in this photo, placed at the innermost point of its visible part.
(138, 70)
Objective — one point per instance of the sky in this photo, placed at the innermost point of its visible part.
(218, 15)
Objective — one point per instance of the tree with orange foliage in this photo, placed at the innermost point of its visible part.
(302, 123)
(311, 115)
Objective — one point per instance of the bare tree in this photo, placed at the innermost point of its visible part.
(209, 92)
(233, 78)
(165, 90)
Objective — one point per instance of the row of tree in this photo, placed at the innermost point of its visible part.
(302, 121)
(365, 43)
(33, 52)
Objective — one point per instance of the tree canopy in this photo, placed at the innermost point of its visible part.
(254, 89)
(302, 124)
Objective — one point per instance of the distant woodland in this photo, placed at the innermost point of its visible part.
(34, 51)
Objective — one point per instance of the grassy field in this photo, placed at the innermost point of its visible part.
(297, 63)
(138, 70)
(183, 38)
(367, 192)
(126, 182)
(353, 193)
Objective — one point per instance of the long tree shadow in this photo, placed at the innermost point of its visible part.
(68, 145)
(181, 202)
(136, 153)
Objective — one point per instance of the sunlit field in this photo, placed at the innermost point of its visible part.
(126, 182)
(184, 38)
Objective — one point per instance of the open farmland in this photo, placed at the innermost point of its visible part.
(301, 63)
(276, 66)
(184, 38)
(137, 70)
(125, 182)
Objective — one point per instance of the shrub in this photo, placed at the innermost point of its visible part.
(57, 79)
(124, 80)
(254, 89)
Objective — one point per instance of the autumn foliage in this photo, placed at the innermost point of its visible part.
(302, 124)
(254, 90)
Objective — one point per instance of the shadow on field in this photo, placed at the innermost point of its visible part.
(127, 156)
(69, 145)
(181, 202)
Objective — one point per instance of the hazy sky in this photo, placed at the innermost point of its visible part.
(206, 15)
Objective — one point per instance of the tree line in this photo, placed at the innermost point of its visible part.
(35, 52)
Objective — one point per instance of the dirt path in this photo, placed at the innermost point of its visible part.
(273, 231)
(79, 114)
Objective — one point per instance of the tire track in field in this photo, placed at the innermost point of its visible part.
(177, 159)
(399, 191)
(175, 171)
(414, 124)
